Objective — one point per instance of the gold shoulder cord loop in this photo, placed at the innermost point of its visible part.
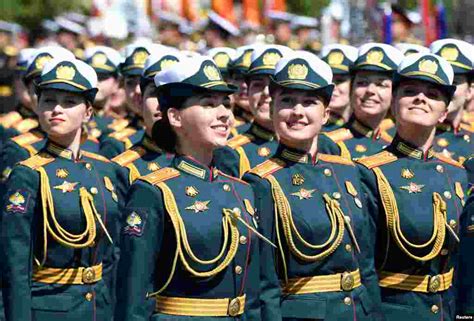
(283, 209)
(393, 221)
(182, 242)
(52, 227)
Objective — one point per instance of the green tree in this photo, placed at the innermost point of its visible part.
(310, 8)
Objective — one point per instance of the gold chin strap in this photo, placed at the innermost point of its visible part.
(283, 211)
(183, 248)
(52, 227)
(393, 221)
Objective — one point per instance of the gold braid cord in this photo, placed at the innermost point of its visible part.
(393, 221)
(183, 248)
(52, 227)
(283, 212)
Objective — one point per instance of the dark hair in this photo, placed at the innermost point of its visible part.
(163, 135)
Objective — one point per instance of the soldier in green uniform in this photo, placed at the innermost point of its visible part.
(189, 248)
(145, 156)
(238, 69)
(8, 55)
(453, 138)
(258, 143)
(106, 62)
(415, 198)
(371, 96)
(340, 58)
(60, 215)
(311, 206)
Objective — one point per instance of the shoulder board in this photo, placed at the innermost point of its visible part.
(123, 134)
(8, 120)
(118, 124)
(340, 134)
(95, 156)
(160, 175)
(129, 156)
(37, 160)
(335, 159)
(377, 159)
(238, 141)
(233, 178)
(448, 160)
(268, 167)
(387, 123)
(467, 128)
(28, 138)
(26, 125)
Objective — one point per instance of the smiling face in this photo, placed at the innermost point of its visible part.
(341, 94)
(420, 103)
(133, 93)
(371, 94)
(259, 97)
(151, 107)
(204, 122)
(61, 114)
(298, 116)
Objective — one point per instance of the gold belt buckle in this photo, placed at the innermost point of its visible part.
(88, 275)
(347, 281)
(434, 283)
(234, 307)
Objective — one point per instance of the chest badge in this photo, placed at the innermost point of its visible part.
(304, 194)
(263, 151)
(199, 206)
(153, 166)
(413, 188)
(442, 142)
(66, 187)
(191, 191)
(297, 179)
(407, 173)
(360, 148)
(62, 173)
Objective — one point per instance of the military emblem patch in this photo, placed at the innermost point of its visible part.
(18, 202)
(66, 187)
(199, 206)
(413, 188)
(304, 194)
(135, 224)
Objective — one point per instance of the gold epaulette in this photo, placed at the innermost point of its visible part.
(448, 160)
(28, 138)
(129, 156)
(26, 125)
(10, 119)
(377, 159)
(37, 160)
(95, 156)
(160, 175)
(268, 167)
(123, 134)
(335, 159)
(233, 178)
(118, 124)
(238, 141)
(387, 123)
(339, 135)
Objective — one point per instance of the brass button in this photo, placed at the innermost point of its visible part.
(327, 172)
(439, 168)
(447, 194)
(435, 309)
(347, 300)
(243, 240)
(444, 252)
(348, 247)
(237, 211)
(89, 296)
(347, 281)
(234, 307)
(336, 195)
(452, 223)
(226, 187)
(94, 190)
(88, 275)
(434, 283)
(238, 269)
(88, 166)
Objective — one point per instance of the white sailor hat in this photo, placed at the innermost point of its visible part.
(411, 48)
(223, 23)
(378, 57)
(43, 55)
(135, 56)
(279, 16)
(69, 26)
(242, 59)
(265, 57)
(22, 59)
(340, 58)
(158, 62)
(457, 52)
(304, 22)
(104, 60)
(222, 56)
(170, 18)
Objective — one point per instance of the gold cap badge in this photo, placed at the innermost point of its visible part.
(271, 59)
(335, 58)
(41, 61)
(247, 59)
(297, 71)
(65, 72)
(167, 63)
(450, 53)
(99, 60)
(428, 66)
(139, 57)
(221, 59)
(374, 57)
(212, 73)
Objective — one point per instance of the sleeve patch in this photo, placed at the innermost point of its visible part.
(135, 223)
(18, 202)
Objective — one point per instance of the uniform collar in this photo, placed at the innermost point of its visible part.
(336, 119)
(295, 155)
(261, 132)
(192, 167)
(363, 130)
(60, 151)
(149, 144)
(405, 148)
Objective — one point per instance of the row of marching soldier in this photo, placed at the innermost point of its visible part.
(257, 183)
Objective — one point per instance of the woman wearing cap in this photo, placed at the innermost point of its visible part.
(311, 206)
(415, 198)
(189, 244)
(60, 213)
(371, 96)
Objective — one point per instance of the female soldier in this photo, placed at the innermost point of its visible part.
(188, 246)
(415, 198)
(310, 205)
(60, 213)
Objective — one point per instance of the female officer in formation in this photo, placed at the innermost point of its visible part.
(415, 198)
(310, 204)
(189, 248)
(60, 215)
